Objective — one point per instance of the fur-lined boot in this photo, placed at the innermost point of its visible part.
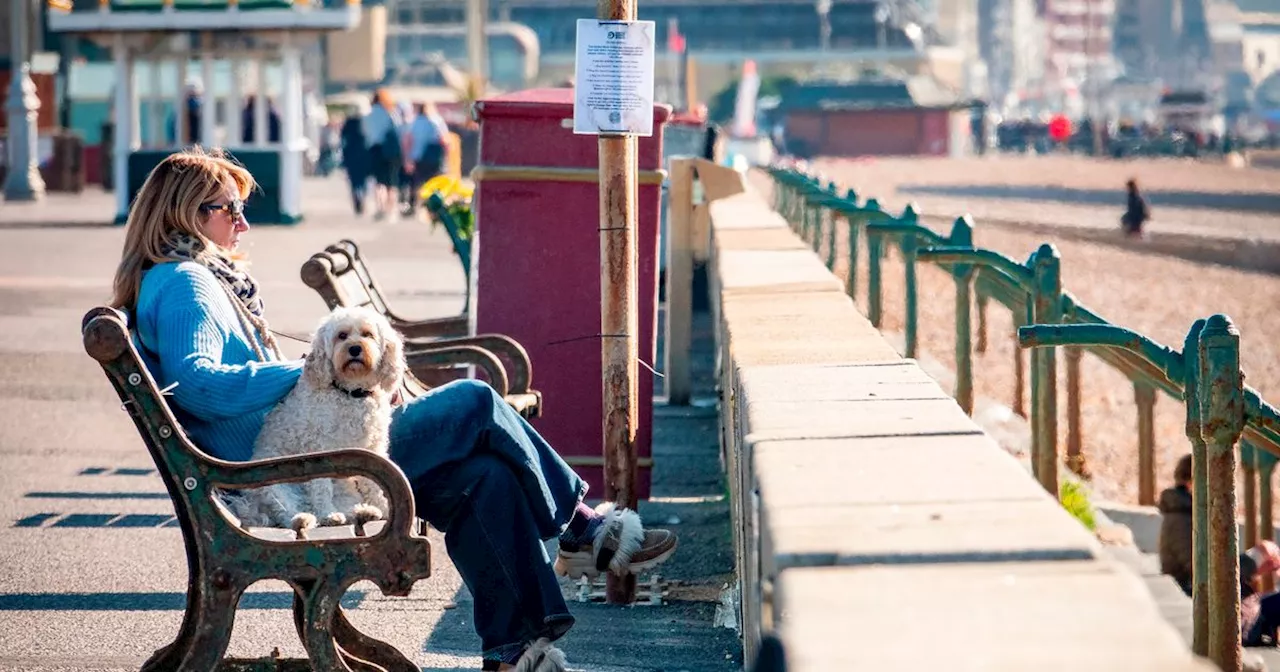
(541, 656)
(615, 541)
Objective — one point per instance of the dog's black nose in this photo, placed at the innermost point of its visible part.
(355, 350)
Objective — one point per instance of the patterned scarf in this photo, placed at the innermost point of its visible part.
(240, 286)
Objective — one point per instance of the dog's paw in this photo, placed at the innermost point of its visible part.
(301, 523)
(366, 512)
(335, 519)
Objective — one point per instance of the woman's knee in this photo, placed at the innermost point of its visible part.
(473, 398)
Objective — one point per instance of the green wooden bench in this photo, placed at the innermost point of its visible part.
(224, 559)
(341, 277)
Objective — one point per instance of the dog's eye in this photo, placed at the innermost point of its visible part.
(342, 335)
(366, 334)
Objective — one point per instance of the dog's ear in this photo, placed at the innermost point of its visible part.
(391, 366)
(319, 367)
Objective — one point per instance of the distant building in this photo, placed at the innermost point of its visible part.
(1012, 40)
(876, 116)
(1078, 58)
(784, 37)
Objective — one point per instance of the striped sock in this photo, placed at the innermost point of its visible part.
(582, 526)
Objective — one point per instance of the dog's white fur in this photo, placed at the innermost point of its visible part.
(352, 349)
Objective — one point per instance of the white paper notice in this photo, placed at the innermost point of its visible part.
(613, 74)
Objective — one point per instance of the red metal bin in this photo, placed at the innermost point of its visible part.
(536, 265)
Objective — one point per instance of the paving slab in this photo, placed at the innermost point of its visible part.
(778, 420)
(907, 500)
(1069, 615)
(773, 238)
(747, 210)
(773, 272)
(801, 328)
(850, 382)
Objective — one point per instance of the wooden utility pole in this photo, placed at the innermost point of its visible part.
(619, 317)
(477, 16)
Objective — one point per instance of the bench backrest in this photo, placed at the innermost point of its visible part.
(341, 277)
(180, 463)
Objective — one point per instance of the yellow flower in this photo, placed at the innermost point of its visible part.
(447, 186)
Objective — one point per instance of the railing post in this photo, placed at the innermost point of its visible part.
(1222, 420)
(875, 242)
(789, 189)
(1047, 309)
(802, 208)
(981, 344)
(1020, 375)
(962, 236)
(1144, 396)
(813, 223)
(854, 222)
(1199, 493)
(1266, 514)
(831, 217)
(1249, 491)
(1075, 459)
(909, 246)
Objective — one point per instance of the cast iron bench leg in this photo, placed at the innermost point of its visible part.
(206, 629)
(367, 648)
(360, 651)
(319, 606)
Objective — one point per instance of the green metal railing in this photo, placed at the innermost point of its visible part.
(1221, 412)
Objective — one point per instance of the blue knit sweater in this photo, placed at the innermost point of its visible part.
(192, 336)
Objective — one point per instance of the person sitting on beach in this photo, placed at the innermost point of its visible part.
(1175, 526)
(1136, 213)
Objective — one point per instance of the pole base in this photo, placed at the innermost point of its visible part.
(19, 187)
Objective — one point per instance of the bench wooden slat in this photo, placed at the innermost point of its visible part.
(341, 277)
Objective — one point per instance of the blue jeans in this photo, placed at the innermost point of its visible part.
(482, 475)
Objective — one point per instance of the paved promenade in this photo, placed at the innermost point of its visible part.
(92, 575)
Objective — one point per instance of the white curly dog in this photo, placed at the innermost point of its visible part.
(343, 400)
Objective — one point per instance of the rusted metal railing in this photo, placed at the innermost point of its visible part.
(1221, 412)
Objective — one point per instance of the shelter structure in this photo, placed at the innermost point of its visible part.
(264, 134)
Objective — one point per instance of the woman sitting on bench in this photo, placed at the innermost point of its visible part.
(479, 472)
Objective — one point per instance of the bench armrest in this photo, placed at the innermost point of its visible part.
(328, 463)
(454, 355)
(516, 358)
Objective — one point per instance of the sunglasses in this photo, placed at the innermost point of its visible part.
(234, 208)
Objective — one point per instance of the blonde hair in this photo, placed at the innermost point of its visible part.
(169, 201)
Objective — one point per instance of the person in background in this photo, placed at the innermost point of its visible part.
(385, 155)
(194, 106)
(356, 159)
(247, 121)
(426, 149)
(330, 146)
(1259, 614)
(1175, 526)
(1136, 212)
(404, 184)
